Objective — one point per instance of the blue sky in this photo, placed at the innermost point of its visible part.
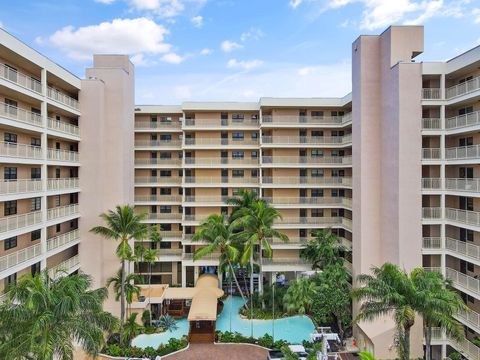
(232, 49)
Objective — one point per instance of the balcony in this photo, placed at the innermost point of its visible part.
(19, 257)
(285, 264)
(219, 161)
(206, 199)
(20, 186)
(432, 243)
(304, 160)
(299, 201)
(158, 162)
(205, 180)
(467, 348)
(463, 152)
(306, 120)
(157, 143)
(14, 150)
(60, 241)
(62, 98)
(62, 211)
(208, 142)
(431, 184)
(431, 94)
(306, 140)
(431, 213)
(431, 154)
(461, 121)
(17, 222)
(62, 155)
(57, 184)
(293, 242)
(144, 180)
(195, 218)
(154, 125)
(463, 88)
(65, 268)
(470, 185)
(163, 216)
(463, 216)
(462, 281)
(207, 259)
(219, 123)
(469, 318)
(171, 235)
(158, 198)
(63, 127)
(169, 254)
(19, 78)
(431, 124)
(318, 221)
(305, 180)
(17, 114)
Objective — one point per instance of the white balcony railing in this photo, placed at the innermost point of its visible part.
(307, 140)
(15, 222)
(300, 160)
(19, 78)
(429, 213)
(158, 143)
(24, 151)
(221, 142)
(463, 281)
(432, 243)
(63, 184)
(62, 155)
(59, 96)
(64, 268)
(220, 161)
(158, 180)
(164, 216)
(206, 199)
(314, 180)
(463, 248)
(64, 127)
(284, 261)
(431, 124)
(20, 186)
(463, 152)
(469, 317)
(460, 121)
(472, 185)
(213, 123)
(465, 347)
(282, 200)
(431, 94)
(310, 221)
(220, 180)
(431, 183)
(151, 125)
(212, 256)
(463, 88)
(158, 198)
(431, 154)
(63, 239)
(20, 256)
(158, 161)
(463, 216)
(62, 211)
(170, 234)
(306, 120)
(169, 252)
(21, 115)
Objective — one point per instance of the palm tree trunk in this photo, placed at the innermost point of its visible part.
(340, 327)
(122, 293)
(251, 272)
(244, 271)
(237, 284)
(406, 343)
(260, 274)
(150, 291)
(428, 342)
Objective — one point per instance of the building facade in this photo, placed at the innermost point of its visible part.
(392, 168)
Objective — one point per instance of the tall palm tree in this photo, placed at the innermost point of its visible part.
(126, 283)
(255, 227)
(244, 199)
(122, 225)
(388, 291)
(216, 232)
(436, 302)
(45, 317)
(300, 296)
(323, 250)
(150, 257)
(131, 329)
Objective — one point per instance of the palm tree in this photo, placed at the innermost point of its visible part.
(216, 232)
(122, 225)
(150, 257)
(244, 199)
(255, 227)
(388, 291)
(323, 250)
(437, 303)
(131, 329)
(129, 288)
(300, 296)
(44, 317)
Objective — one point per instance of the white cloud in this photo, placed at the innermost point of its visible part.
(1, 25)
(107, 2)
(476, 15)
(121, 36)
(206, 51)
(228, 46)
(307, 70)
(197, 21)
(166, 8)
(253, 33)
(172, 58)
(245, 65)
(295, 3)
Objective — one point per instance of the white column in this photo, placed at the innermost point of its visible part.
(184, 276)
(442, 184)
(196, 271)
(44, 169)
(174, 273)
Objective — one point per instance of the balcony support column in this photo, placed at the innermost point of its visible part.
(44, 169)
(184, 276)
(442, 86)
(196, 272)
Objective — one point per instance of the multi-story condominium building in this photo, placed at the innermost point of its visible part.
(392, 168)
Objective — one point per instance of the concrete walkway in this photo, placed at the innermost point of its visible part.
(220, 352)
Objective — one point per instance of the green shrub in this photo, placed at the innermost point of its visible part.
(146, 318)
(266, 341)
(150, 330)
(149, 352)
(113, 350)
(455, 356)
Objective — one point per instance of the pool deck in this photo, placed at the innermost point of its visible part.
(220, 352)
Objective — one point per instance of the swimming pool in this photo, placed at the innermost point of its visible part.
(293, 329)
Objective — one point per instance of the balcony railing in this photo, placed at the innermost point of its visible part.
(463, 152)
(21, 115)
(460, 121)
(464, 281)
(463, 248)
(63, 239)
(431, 184)
(170, 234)
(151, 125)
(158, 198)
(164, 216)
(220, 161)
(220, 180)
(64, 127)
(284, 261)
(314, 180)
(463, 88)
(158, 143)
(157, 180)
(158, 161)
(62, 211)
(431, 94)
(63, 184)
(14, 222)
(212, 123)
(431, 154)
(206, 199)
(281, 200)
(15, 150)
(431, 213)
(62, 155)
(432, 243)
(299, 160)
(20, 256)
(463, 216)
(20, 186)
(472, 185)
(197, 218)
(169, 252)
(310, 220)
(221, 142)
(307, 140)
(56, 95)
(212, 256)
(470, 317)
(306, 120)
(431, 124)
(64, 268)
(21, 79)
(467, 348)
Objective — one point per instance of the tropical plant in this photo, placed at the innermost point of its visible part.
(129, 287)
(288, 354)
(167, 323)
(131, 328)
(365, 355)
(300, 296)
(323, 250)
(219, 237)
(122, 225)
(436, 302)
(45, 316)
(147, 318)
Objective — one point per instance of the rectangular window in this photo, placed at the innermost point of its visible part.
(317, 212)
(10, 280)
(10, 173)
(317, 133)
(237, 136)
(317, 113)
(470, 267)
(165, 209)
(317, 192)
(165, 155)
(468, 141)
(74, 224)
(224, 116)
(338, 133)
(317, 172)
(165, 191)
(153, 118)
(10, 138)
(254, 173)
(337, 113)
(254, 154)
(317, 153)
(237, 173)
(338, 173)
(36, 173)
(166, 137)
(36, 142)
(238, 117)
(465, 110)
(338, 153)
(57, 200)
(254, 136)
(35, 268)
(166, 119)
(36, 203)
(11, 107)
(58, 227)
(238, 155)
(165, 173)
(35, 235)
(10, 243)
(10, 208)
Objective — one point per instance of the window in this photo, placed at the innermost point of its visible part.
(36, 142)
(317, 113)
(254, 173)
(338, 173)
(166, 227)
(165, 191)
(468, 141)
(254, 117)
(11, 73)
(153, 118)
(470, 267)
(166, 119)
(254, 154)
(10, 280)
(10, 173)
(36, 173)
(10, 138)
(35, 268)
(165, 155)
(11, 106)
(317, 192)
(468, 78)
(238, 117)
(237, 173)
(317, 133)
(466, 235)
(166, 137)
(237, 136)
(337, 113)
(338, 153)
(254, 136)
(238, 155)
(165, 209)
(57, 201)
(466, 110)
(10, 208)
(10, 243)
(165, 173)
(58, 173)
(74, 224)
(224, 116)
(338, 133)
(36, 203)
(35, 235)
(317, 153)
(58, 227)
(317, 212)
(317, 172)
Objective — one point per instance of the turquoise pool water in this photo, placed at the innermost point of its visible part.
(293, 329)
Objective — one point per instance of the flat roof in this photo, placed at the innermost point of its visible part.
(161, 109)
